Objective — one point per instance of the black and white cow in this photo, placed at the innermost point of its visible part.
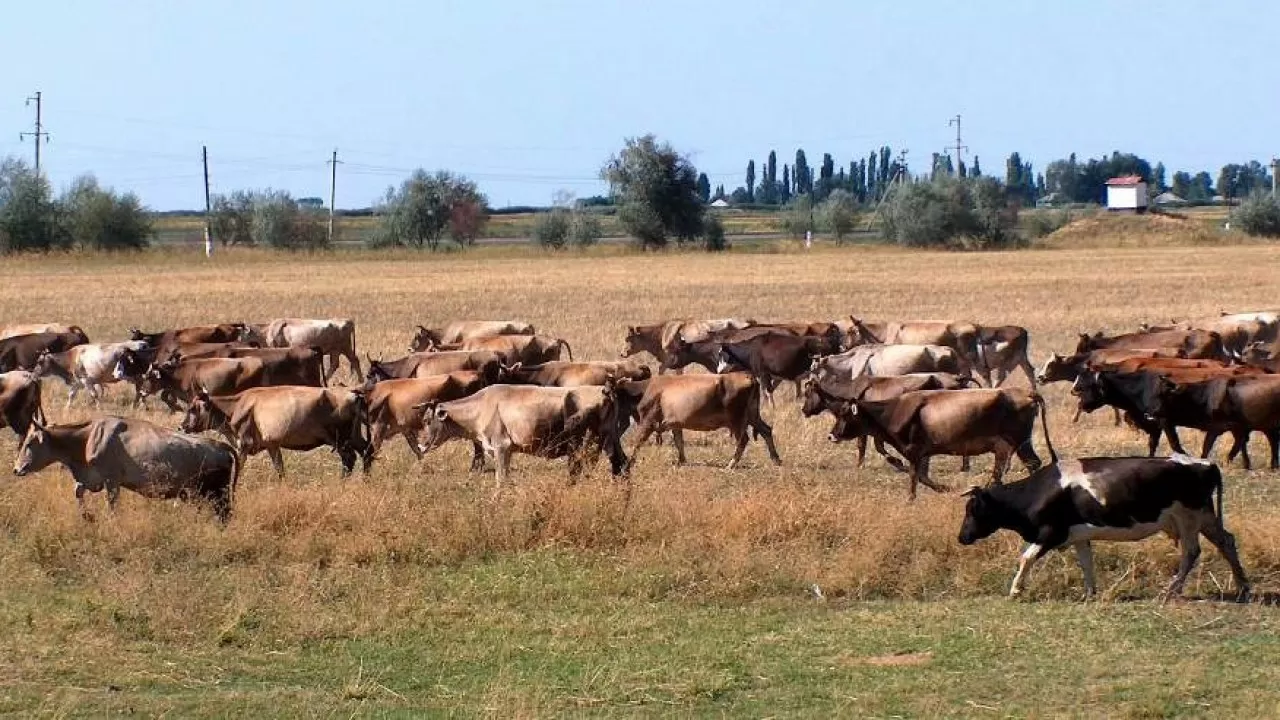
(1123, 499)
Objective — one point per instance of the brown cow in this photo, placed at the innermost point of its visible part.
(1003, 349)
(180, 380)
(290, 418)
(574, 374)
(1194, 344)
(335, 337)
(23, 352)
(655, 339)
(394, 405)
(166, 341)
(700, 402)
(36, 328)
(925, 423)
(528, 349)
(460, 330)
(832, 394)
(573, 423)
(424, 364)
(960, 336)
(19, 400)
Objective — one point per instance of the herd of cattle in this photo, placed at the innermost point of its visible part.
(916, 389)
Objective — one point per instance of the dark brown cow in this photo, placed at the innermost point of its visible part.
(1194, 344)
(1003, 349)
(394, 405)
(180, 380)
(190, 351)
(833, 394)
(925, 423)
(19, 400)
(23, 352)
(655, 339)
(424, 364)
(166, 341)
(272, 419)
(773, 358)
(700, 402)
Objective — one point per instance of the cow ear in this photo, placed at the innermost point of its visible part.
(973, 491)
(441, 413)
(631, 330)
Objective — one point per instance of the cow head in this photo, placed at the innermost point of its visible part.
(507, 372)
(848, 425)
(814, 403)
(377, 370)
(437, 428)
(423, 339)
(635, 342)
(202, 415)
(725, 361)
(158, 376)
(1056, 368)
(1089, 390)
(250, 333)
(982, 516)
(35, 453)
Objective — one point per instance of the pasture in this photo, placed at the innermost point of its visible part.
(416, 589)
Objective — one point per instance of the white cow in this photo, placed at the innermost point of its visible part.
(334, 337)
(88, 366)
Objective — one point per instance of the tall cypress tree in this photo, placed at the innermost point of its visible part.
(784, 190)
(800, 174)
(751, 181)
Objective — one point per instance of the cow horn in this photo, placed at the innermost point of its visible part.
(973, 490)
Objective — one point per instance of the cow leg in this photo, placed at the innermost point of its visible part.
(922, 475)
(1115, 412)
(413, 444)
(1225, 542)
(1079, 411)
(1175, 443)
(677, 439)
(1000, 463)
(501, 464)
(113, 494)
(73, 391)
(893, 460)
(643, 431)
(354, 361)
(1028, 559)
(277, 461)
(741, 437)
(1239, 446)
(1273, 439)
(964, 463)
(477, 456)
(348, 457)
(765, 430)
(862, 448)
(1189, 539)
(1027, 454)
(1084, 556)
(80, 504)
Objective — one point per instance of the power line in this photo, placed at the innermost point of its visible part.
(959, 147)
(39, 133)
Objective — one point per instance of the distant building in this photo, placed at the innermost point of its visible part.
(721, 203)
(310, 203)
(1168, 199)
(1127, 194)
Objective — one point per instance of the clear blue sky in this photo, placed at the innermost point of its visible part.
(531, 97)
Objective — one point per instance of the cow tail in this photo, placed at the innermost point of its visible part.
(360, 430)
(1218, 481)
(567, 349)
(1044, 426)
(755, 434)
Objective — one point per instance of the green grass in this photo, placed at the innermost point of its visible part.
(545, 633)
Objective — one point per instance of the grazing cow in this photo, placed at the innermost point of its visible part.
(573, 423)
(655, 339)
(574, 374)
(461, 330)
(773, 358)
(116, 452)
(272, 419)
(1194, 344)
(167, 340)
(1003, 349)
(36, 328)
(925, 423)
(23, 352)
(700, 402)
(1237, 330)
(832, 394)
(177, 380)
(89, 366)
(960, 336)
(335, 337)
(189, 351)
(1123, 499)
(528, 349)
(1058, 368)
(19, 401)
(425, 364)
(892, 360)
(394, 406)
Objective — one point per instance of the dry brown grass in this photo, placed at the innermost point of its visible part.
(315, 558)
(1152, 230)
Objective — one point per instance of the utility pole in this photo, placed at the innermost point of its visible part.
(208, 205)
(333, 190)
(39, 133)
(899, 177)
(1275, 170)
(959, 147)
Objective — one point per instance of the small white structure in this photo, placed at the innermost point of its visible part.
(720, 203)
(1168, 199)
(1127, 194)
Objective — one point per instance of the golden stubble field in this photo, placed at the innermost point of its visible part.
(315, 559)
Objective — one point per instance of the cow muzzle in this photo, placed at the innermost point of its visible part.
(19, 470)
(833, 438)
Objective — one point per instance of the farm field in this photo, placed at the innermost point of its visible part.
(416, 589)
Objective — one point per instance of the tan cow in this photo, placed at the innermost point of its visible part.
(574, 374)
(272, 419)
(655, 339)
(19, 400)
(700, 402)
(426, 364)
(88, 367)
(528, 349)
(573, 423)
(335, 337)
(893, 360)
(15, 330)
(462, 330)
(1003, 349)
(394, 405)
(179, 380)
(960, 336)
(116, 452)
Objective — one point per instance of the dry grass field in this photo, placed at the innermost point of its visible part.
(416, 590)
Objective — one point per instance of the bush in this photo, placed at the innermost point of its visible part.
(1044, 222)
(584, 229)
(1259, 215)
(713, 239)
(232, 220)
(98, 219)
(551, 229)
(797, 217)
(29, 217)
(949, 212)
(426, 207)
(839, 214)
(656, 191)
(279, 223)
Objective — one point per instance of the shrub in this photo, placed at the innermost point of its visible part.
(98, 219)
(839, 214)
(949, 212)
(713, 239)
(797, 218)
(656, 191)
(29, 217)
(551, 229)
(426, 207)
(1044, 222)
(584, 229)
(1259, 215)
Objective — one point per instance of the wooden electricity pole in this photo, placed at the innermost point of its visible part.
(40, 135)
(333, 190)
(208, 205)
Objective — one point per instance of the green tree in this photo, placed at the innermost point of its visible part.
(784, 190)
(427, 206)
(551, 229)
(976, 170)
(973, 213)
(656, 191)
(232, 219)
(1202, 187)
(798, 218)
(1157, 179)
(826, 178)
(800, 176)
(1181, 184)
(751, 181)
(771, 168)
(29, 217)
(99, 219)
(704, 188)
(280, 223)
(839, 213)
(1259, 215)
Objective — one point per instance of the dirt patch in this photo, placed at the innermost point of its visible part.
(893, 660)
(1148, 230)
